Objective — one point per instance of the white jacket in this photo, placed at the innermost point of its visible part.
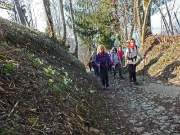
(130, 55)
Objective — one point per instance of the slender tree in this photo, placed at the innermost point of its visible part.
(142, 21)
(19, 12)
(49, 17)
(73, 27)
(64, 22)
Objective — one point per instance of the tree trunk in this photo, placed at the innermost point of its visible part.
(166, 25)
(176, 19)
(49, 17)
(19, 12)
(74, 29)
(169, 16)
(143, 34)
(139, 17)
(125, 23)
(134, 20)
(64, 22)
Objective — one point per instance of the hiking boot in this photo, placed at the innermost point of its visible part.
(103, 87)
(107, 85)
(136, 83)
(122, 77)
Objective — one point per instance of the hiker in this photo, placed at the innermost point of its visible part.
(121, 55)
(94, 66)
(116, 63)
(102, 59)
(89, 65)
(110, 65)
(131, 56)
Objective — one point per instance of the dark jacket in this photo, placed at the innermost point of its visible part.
(102, 59)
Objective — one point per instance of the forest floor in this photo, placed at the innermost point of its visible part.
(151, 108)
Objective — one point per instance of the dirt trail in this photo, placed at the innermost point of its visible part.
(151, 108)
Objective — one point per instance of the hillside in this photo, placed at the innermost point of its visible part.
(162, 59)
(44, 89)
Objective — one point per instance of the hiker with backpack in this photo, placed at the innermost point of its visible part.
(121, 55)
(93, 63)
(116, 62)
(102, 59)
(131, 55)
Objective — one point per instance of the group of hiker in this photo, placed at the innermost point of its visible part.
(103, 61)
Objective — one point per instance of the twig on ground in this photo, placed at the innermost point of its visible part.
(39, 131)
(13, 109)
(2, 102)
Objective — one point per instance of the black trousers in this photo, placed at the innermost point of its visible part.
(132, 72)
(118, 67)
(104, 76)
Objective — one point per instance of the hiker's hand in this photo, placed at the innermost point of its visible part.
(98, 65)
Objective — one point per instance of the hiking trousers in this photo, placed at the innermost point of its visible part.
(104, 76)
(132, 72)
(119, 68)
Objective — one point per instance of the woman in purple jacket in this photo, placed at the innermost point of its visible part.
(103, 60)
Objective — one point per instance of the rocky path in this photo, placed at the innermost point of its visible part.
(151, 108)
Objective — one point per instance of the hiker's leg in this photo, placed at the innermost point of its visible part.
(94, 68)
(106, 76)
(102, 76)
(134, 72)
(90, 67)
(119, 69)
(130, 67)
(122, 65)
(114, 70)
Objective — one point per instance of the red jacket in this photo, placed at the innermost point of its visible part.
(121, 53)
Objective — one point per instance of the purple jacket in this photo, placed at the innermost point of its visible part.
(102, 59)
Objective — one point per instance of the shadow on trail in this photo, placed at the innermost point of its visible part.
(155, 42)
(151, 62)
(167, 72)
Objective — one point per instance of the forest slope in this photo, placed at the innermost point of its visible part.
(43, 88)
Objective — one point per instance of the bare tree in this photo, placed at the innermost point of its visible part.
(169, 16)
(49, 17)
(142, 21)
(165, 23)
(73, 27)
(19, 12)
(64, 22)
(133, 20)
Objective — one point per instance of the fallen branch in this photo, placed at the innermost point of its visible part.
(2, 90)
(2, 102)
(11, 51)
(39, 131)
(8, 62)
(13, 109)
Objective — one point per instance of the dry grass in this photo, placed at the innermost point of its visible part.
(162, 59)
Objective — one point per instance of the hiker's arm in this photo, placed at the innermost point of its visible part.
(96, 60)
(109, 59)
(139, 54)
(119, 59)
(127, 53)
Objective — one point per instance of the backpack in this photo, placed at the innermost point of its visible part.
(113, 56)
